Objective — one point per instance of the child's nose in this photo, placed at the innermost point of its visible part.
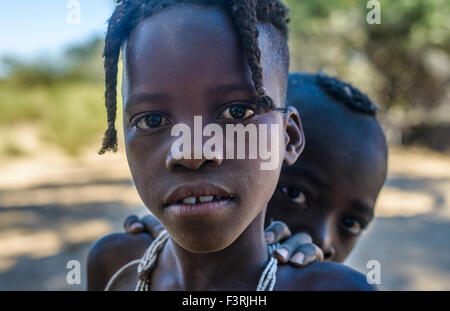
(328, 252)
(192, 164)
(322, 238)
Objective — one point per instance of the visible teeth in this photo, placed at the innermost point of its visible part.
(208, 198)
(204, 199)
(189, 200)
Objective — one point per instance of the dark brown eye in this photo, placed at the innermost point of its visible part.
(237, 112)
(151, 121)
(352, 225)
(295, 195)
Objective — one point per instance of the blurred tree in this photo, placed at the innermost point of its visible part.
(406, 47)
(38, 72)
(403, 62)
(62, 99)
(86, 60)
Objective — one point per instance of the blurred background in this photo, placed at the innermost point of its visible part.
(57, 195)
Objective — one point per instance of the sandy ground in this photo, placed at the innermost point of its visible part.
(52, 208)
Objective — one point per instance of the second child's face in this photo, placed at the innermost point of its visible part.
(331, 190)
(186, 62)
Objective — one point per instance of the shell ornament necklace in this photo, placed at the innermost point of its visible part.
(145, 264)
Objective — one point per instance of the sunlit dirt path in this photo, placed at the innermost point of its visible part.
(52, 208)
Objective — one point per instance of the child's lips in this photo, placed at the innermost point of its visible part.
(192, 200)
(198, 199)
(200, 208)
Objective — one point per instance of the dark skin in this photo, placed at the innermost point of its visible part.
(331, 191)
(169, 65)
(312, 198)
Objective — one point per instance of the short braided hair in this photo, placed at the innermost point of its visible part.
(246, 15)
(346, 94)
(340, 91)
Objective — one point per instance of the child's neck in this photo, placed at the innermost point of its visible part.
(237, 267)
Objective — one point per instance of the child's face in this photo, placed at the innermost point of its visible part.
(331, 191)
(181, 63)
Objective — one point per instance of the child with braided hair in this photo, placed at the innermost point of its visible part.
(325, 221)
(215, 59)
(331, 191)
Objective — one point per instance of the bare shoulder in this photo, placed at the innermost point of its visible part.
(323, 276)
(111, 252)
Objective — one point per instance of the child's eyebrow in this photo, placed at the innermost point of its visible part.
(212, 91)
(363, 208)
(146, 97)
(311, 175)
(230, 87)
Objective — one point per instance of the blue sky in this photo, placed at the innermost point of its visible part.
(31, 28)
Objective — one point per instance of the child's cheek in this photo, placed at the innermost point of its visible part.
(259, 183)
(146, 155)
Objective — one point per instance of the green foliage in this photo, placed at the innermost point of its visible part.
(70, 114)
(66, 103)
(403, 63)
(75, 116)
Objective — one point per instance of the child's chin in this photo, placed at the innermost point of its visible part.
(204, 243)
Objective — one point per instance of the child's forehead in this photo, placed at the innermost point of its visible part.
(343, 144)
(184, 42)
(343, 173)
(328, 123)
(188, 48)
(340, 162)
(188, 18)
(184, 23)
(340, 143)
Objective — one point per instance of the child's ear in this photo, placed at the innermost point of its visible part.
(294, 136)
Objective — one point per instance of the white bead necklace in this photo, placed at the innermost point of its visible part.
(266, 282)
